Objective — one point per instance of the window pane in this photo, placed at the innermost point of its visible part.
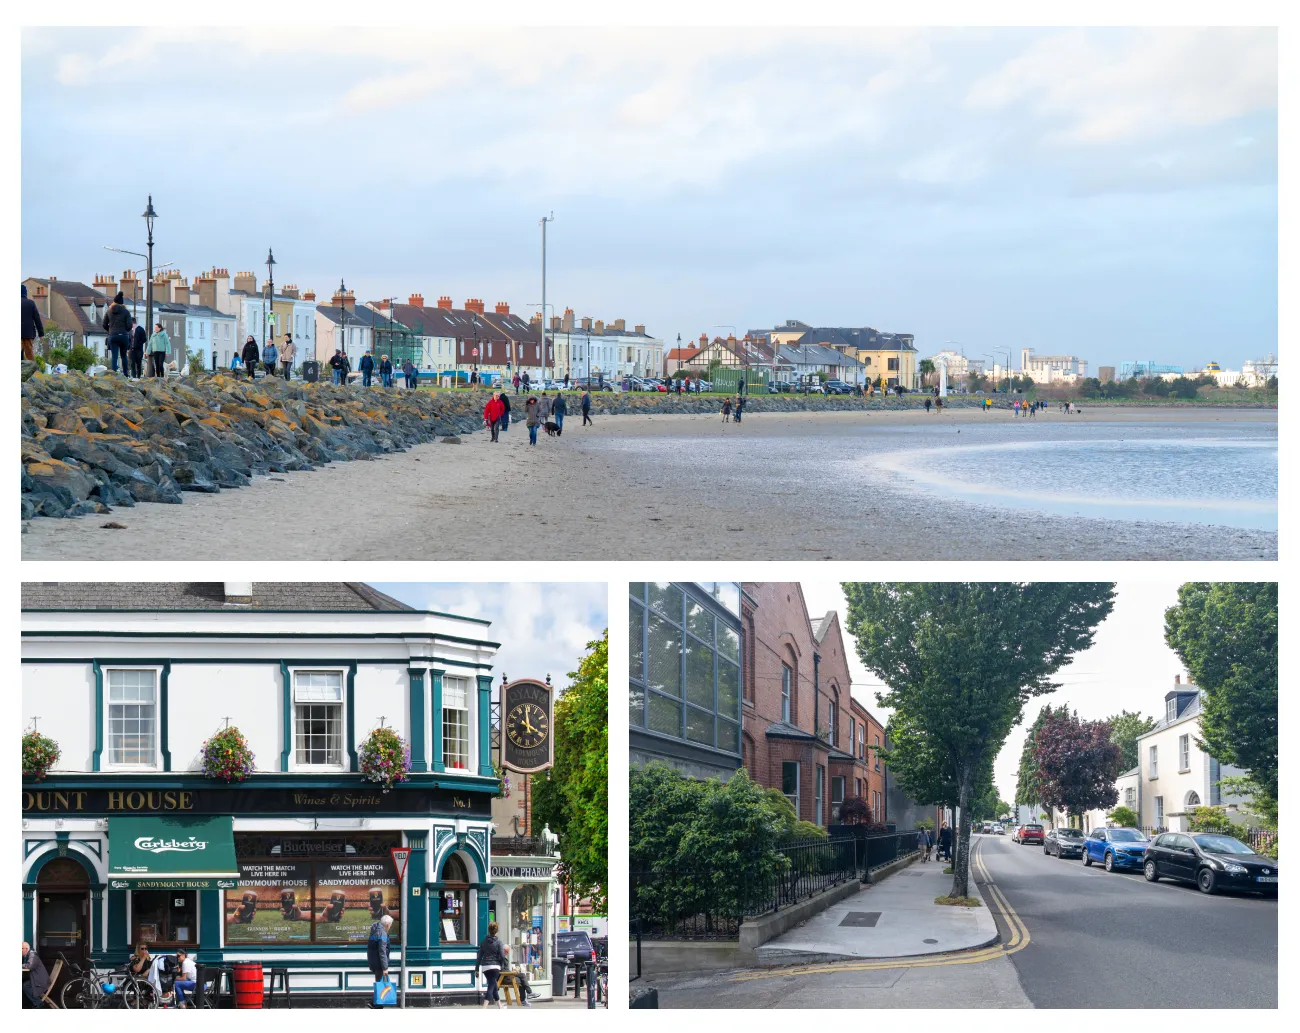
(636, 706)
(667, 599)
(318, 733)
(455, 737)
(318, 686)
(699, 622)
(636, 648)
(789, 777)
(455, 693)
(699, 726)
(665, 716)
(665, 657)
(728, 689)
(637, 590)
(728, 736)
(699, 674)
(728, 642)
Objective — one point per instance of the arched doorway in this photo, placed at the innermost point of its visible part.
(62, 913)
(453, 897)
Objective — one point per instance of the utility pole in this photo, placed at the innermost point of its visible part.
(541, 359)
(149, 216)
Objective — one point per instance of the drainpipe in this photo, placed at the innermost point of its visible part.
(817, 695)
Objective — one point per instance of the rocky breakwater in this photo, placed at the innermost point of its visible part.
(92, 443)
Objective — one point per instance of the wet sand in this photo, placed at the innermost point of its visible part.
(645, 487)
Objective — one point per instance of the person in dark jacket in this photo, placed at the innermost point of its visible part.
(35, 979)
(337, 364)
(504, 397)
(139, 338)
(945, 842)
(250, 355)
(118, 322)
(270, 357)
(32, 326)
(377, 948)
(385, 371)
(367, 368)
(410, 373)
(586, 407)
(559, 409)
(491, 960)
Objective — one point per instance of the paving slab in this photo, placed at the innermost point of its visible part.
(895, 918)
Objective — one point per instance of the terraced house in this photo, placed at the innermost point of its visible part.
(131, 838)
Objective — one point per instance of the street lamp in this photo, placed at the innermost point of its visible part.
(149, 216)
(269, 320)
(542, 357)
(135, 290)
(343, 310)
(541, 360)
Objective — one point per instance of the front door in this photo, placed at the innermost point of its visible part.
(62, 915)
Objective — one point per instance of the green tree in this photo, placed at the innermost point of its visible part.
(1125, 727)
(574, 799)
(1077, 764)
(1124, 817)
(960, 660)
(1226, 635)
(1027, 786)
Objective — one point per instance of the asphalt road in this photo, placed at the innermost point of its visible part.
(1117, 941)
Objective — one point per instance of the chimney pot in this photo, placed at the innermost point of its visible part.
(416, 300)
(475, 305)
(503, 308)
(600, 326)
(586, 322)
(444, 302)
(1178, 679)
(620, 325)
(639, 328)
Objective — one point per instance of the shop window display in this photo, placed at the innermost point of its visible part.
(453, 908)
(528, 932)
(164, 917)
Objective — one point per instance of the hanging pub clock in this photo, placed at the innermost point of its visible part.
(526, 736)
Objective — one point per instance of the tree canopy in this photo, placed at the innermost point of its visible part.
(1226, 635)
(1077, 764)
(1028, 790)
(1125, 727)
(960, 660)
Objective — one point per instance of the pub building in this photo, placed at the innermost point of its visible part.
(127, 840)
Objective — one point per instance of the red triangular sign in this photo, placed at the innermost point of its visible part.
(400, 856)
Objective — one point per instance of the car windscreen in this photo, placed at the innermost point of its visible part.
(1069, 833)
(1033, 828)
(1222, 845)
(1127, 836)
(572, 942)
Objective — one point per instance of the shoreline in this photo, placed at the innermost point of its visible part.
(625, 489)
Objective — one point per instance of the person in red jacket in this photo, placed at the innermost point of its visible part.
(492, 413)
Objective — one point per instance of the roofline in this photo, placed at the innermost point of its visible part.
(1171, 724)
(245, 609)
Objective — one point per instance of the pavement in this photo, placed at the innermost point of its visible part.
(895, 918)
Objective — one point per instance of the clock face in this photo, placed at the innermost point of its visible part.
(527, 726)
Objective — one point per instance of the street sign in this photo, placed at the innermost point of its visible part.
(400, 856)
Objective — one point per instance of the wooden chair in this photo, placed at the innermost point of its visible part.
(509, 987)
(54, 981)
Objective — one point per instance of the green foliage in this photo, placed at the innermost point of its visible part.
(1124, 817)
(1077, 764)
(1215, 819)
(1125, 727)
(926, 367)
(1226, 635)
(1027, 783)
(1259, 805)
(195, 361)
(960, 661)
(792, 827)
(574, 800)
(40, 753)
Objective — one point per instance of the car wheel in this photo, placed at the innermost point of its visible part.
(1108, 862)
(1149, 870)
(1205, 880)
(1087, 858)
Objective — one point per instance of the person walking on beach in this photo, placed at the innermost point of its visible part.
(531, 419)
(385, 371)
(586, 407)
(32, 326)
(270, 356)
(367, 368)
(491, 959)
(118, 322)
(740, 405)
(504, 397)
(159, 345)
(492, 415)
(927, 405)
(139, 339)
(250, 354)
(726, 410)
(288, 352)
(544, 408)
(559, 409)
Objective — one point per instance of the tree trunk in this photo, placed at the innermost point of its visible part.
(961, 838)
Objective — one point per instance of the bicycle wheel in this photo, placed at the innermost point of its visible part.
(70, 995)
(131, 995)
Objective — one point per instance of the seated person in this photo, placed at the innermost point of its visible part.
(186, 977)
(140, 961)
(521, 976)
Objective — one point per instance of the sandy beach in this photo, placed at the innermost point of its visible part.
(780, 486)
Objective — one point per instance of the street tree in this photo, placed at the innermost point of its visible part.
(1077, 764)
(1027, 788)
(960, 660)
(1226, 635)
(1125, 727)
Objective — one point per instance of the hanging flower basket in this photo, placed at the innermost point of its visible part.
(227, 756)
(40, 753)
(385, 758)
(504, 776)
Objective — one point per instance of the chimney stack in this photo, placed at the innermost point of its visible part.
(180, 290)
(704, 340)
(106, 286)
(475, 305)
(1178, 679)
(639, 328)
(555, 323)
(205, 285)
(503, 308)
(567, 322)
(416, 300)
(246, 282)
(308, 295)
(129, 285)
(600, 326)
(444, 302)
(291, 291)
(586, 322)
(620, 325)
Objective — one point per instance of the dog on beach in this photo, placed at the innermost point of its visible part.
(552, 429)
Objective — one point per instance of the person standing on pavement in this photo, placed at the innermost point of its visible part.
(32, 326)
(139, 339)
(386, 371)
(367, 368)
(118, 322)
(526, 382)
(505, 404)
(270, 356)
(531, 419)
(491, 959)
(410, 373)
(559, 409)
(945, 842)
(586, 407)
(288, 352)
(36, 980)
(249, 355)
(159, 345)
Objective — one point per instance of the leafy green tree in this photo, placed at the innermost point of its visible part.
(574, 800)
(1077, 764)
(961, 659)
(1027, 788)
(1124, 817)
(1215, 819)
(1125, 727)
(1226, 635)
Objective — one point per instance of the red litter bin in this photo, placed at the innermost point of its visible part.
(248, 984)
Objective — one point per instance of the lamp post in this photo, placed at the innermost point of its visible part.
(135, 290)
(149, 216)
(269, 320)
(542, 358)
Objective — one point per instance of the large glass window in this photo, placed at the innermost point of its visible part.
(453, 901)
(837, 796)
(787, 680)
(164, 917)
(318, 718)
(455, 722)
(132, 718)
(790, 782)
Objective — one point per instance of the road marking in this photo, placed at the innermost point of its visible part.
(1019, 941)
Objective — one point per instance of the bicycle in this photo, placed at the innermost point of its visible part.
(86, 988)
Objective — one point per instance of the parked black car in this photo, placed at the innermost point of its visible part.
(837, 387)
(1063, 842)
(1212, 861)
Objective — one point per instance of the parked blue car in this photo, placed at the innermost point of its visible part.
(1115, 848)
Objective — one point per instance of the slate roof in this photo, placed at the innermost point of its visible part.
(785, 730)
(77, 294)
(815, 355)
(823, 625)
(1130, 771)
(307, 596)
(1190, 709)
(360, 316)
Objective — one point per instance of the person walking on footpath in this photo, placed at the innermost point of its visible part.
(566, 380)
(927, 405)
(544, 408)
(515, 381)
(586, 407)
(36, 980)
(945, 842)
(288, 352)
(531, 419)
(159, 345)
(139, 339)
(270, 356)
(377, 948)
(492, 415)
(726, 410)
(923, 843)
(491, 959)
(250, 355)
(33, 328)
(118, 322)
(367, 369)
(504, 397)
(559, 409)
(526, 382)
(410, 373)
(385, 371)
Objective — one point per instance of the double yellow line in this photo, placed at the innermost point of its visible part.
(1019, 941)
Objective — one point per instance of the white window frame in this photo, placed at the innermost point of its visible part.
(862, 740)
(1153, 762)
(105, 759)
(1160, 812)
(471, 689)
(787, 692)
(798, 775)
(1171, 710)
(345, 718)
(1185, 753)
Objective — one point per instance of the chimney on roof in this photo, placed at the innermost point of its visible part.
(639, 328)
(308, 295)
(291, 291)
(535, 319)
(600, 326)
(586, 322)
(474, 305)
(704, 340)
(205, 284)
(1178, 679)
(106, 285)
(566, 324)
(129, 285)
(246, 282)
(180, 290)
(238, 593)
(555, 323)
(222, 276)
(416, 300)
(444, 302)
(503, 308)
(620, 325)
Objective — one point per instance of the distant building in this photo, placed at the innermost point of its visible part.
(607, 349)
(76, 308)
(1106, 374)
(959, 365)
(886, 358)
(1051, 369)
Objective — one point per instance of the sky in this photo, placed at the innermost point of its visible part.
(1110, 193)
(543, 628)
(1128, 666)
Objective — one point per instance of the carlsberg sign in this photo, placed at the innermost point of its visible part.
(163, 846)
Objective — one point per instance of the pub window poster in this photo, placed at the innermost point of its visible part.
(351, 896)
(273, 904)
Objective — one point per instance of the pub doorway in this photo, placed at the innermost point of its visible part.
(62, 915)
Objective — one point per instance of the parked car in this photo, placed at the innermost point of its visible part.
(999, 830)
(1115, 848)
(1063, 842)
(591, 384)
(1027, 833)
(576, 949)
(987, 828)
(837, 387)
(1212, 861)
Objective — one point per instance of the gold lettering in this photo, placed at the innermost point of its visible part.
(135, 801)
(187, 801)
(29, 801)
(115, 802)
(81, 800)
(61, 801)
(153, 801)
(169, 801)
